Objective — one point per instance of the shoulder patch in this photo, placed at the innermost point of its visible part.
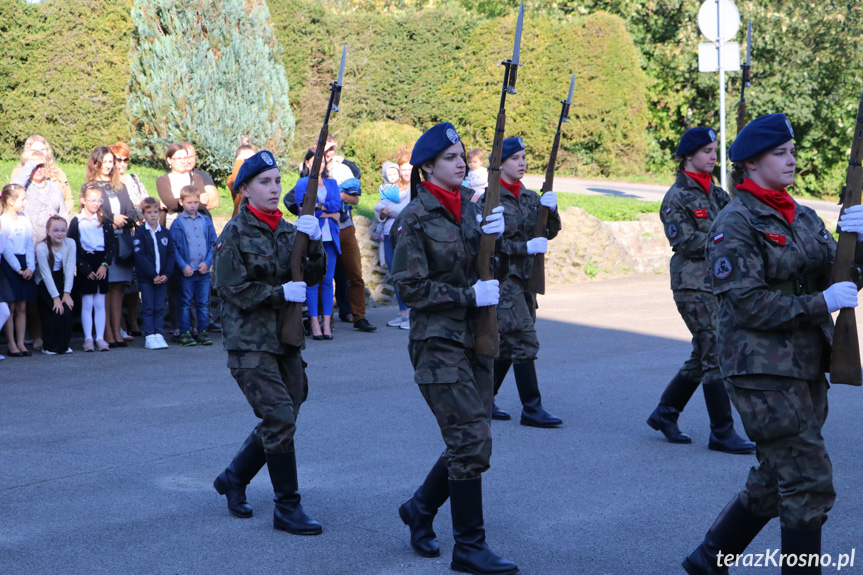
(718, 238)
(722, 268)
(671, 231)
(667, 211)
(219, 247)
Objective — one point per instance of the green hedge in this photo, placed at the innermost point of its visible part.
(63, 74)
(374, 143)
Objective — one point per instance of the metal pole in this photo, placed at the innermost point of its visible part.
(722, 162)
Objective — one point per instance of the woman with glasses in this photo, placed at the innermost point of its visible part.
(209, 193)
(169, 185)
(137, 192)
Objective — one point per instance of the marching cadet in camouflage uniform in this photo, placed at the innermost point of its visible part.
(253, 277)
(516, 311)
(687, 211)
(769, 260)
(435, 271)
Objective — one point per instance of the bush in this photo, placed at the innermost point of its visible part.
(63, 74)
(206, 72)
(374, 143)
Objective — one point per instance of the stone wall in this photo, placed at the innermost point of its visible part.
(586, 249)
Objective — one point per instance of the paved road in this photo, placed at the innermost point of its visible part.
(648, 192)
(108, 459)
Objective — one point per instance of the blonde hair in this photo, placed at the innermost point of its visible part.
(39, 156)
(190, 191)
(88, 187)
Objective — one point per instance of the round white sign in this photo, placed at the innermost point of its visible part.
(718, 17)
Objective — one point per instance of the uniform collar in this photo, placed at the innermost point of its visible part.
(690, 184)
(431, 203)
(759, 208)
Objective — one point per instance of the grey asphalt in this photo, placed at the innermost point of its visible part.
(828, 210)
(108, 459)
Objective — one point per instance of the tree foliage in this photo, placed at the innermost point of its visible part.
(373, 143)
(63, 74)
(206, 72)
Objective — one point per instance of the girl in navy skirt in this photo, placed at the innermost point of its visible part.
(56, 258)
(93, 233)
(19, 263)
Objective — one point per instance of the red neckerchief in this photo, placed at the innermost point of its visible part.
(272, 219)
(780, 200)
(451, 200)
(702, 180)
(514, 189)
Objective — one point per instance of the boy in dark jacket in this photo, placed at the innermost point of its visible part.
(154, 263)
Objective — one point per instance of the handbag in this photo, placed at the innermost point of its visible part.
(125, 247)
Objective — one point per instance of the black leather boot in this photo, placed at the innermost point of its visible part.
(501, 367)
(731, 533)
(419, 511)
(532, 413)
(233, 480)
(723, 437)
(288, 514)
(807, 546)
(471, 554)
(675, 397)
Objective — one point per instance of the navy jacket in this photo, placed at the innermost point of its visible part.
(145, 256)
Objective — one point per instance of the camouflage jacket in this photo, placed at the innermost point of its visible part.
(686, 214)
(435, 267)
(769, 276)
(251, 263)
(520, 219)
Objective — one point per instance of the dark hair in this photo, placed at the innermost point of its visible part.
(86, 188)
(94, 167)
(148, 202)
(174, 148)
(10, 192)
(47, 239)
(305, 170)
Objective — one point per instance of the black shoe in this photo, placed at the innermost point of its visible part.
(136, 333)
(327, 336)
(203, 339)
(471, 554)
(288, 514)
(499, 414)
(317, 337)
(363, 324)
(419, 511)
(121, 343)
(233, 480)
(26, 353)
(731, 533)
(533, 413)
(214, 327)
(175, 337)
(723, 437)
(674, 398)
(347, 318)
(801, 543)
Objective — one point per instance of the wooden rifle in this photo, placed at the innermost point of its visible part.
(486, 340)
(292, 320)
(845, 353)
(536, 284)
(745, 81)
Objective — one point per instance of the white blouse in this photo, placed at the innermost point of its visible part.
(91, 234)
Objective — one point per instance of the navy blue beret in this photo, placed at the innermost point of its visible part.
(511, 146)
(435, 140)
(760, 135)
(694, 139)
(260, 162)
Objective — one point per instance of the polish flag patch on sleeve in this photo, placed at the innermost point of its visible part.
(667, 211)
(719, 238)
(219, 247)
(398, 231)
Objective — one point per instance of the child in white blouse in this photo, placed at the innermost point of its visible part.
(56, 258)
(19, 263)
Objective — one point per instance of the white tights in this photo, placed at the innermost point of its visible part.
(89, 304)
(4, 313)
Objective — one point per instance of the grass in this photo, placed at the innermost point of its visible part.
(604, 208)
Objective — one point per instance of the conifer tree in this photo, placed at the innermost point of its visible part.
(206, 72)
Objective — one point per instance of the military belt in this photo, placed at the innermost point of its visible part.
(791, 287)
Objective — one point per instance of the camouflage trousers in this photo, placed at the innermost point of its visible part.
(275, 385)
(458, 386)
(516, 322)
(794, 476)
(698, 310)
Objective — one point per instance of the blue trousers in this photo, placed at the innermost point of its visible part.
(388, 255)
(153, 306)
(195, 291)
(326, 286)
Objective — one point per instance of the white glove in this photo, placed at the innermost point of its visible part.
(295, 291)
(537, 246)
(852, 221)
(309, 225)
(487, 293)
(549, 200)
(495, 225)
(840, 295)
